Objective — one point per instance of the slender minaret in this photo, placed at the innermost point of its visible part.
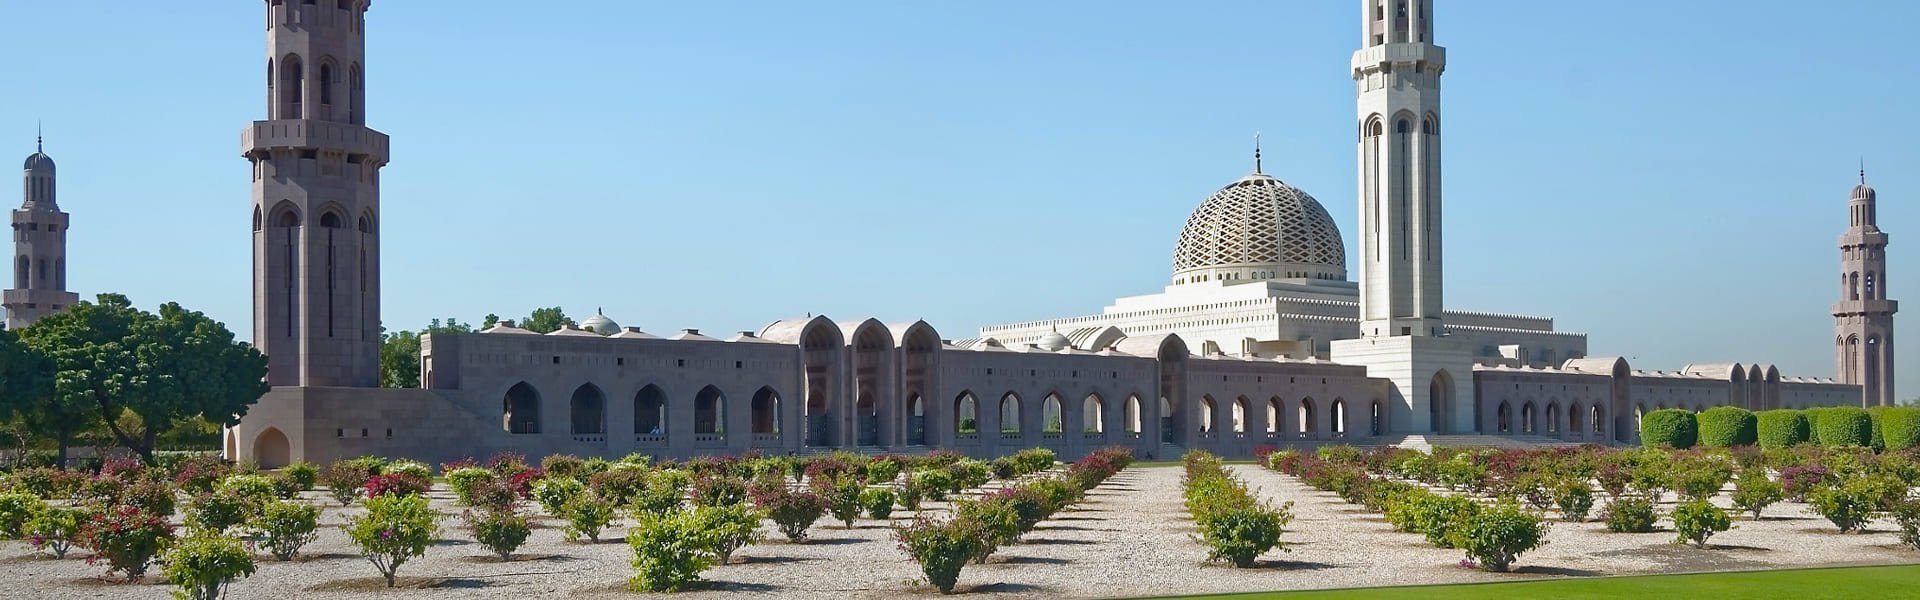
(316, 200)
(1397, 75)
(1863, 318)
(39, 247)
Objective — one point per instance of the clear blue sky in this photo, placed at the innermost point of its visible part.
(1669, 177)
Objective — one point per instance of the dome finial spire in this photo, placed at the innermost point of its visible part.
(1863, 170)
(1256, 152)
(39, 137)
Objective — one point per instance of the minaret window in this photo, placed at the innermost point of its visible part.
(293, 88)
(1870, 295)
(326, 84)
(40, 277)
(60, 273)
(20, 271)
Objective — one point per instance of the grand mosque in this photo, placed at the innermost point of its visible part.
(1260, 336)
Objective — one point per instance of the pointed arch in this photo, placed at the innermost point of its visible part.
(766, 411)
(1526, 418)
(256, 218)
(1053, 414)
(1010, 414)
(293, 87)
(1376, 419)
(1337, 413)
(1132, 421)
(271, 450)
(1503, 422)
(650, 411)
(520, 409)
(589, 410)
(1240, 415)
(1209, 414)
(1553, 417)
(966, 414)
(1093, 414)
(916, 420)
(1309, 428)
(1276, 416)
(710, 412)
(1575, 412)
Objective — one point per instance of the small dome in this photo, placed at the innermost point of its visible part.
(40, 162)
(1264, 227)
(1054, 342)
(1863, 192)
(599, 323)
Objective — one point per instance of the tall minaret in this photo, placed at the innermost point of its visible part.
(39, 248)
(1397, 75)
(316, 200)
(1863, 318)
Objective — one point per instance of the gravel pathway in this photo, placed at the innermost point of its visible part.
(1130, 538)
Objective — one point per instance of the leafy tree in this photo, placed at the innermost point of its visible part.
(143, 372)
(26, 390)
(400, 351)
(546, 320)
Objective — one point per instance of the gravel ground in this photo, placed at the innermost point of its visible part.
(1131, 538)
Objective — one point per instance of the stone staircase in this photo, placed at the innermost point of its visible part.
(1426, 442)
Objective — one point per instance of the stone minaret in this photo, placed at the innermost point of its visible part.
(1863, 318)
(39, 248)
(1397, 75)
(316, 200)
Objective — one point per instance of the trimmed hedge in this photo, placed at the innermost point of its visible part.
(1844, 426)
(1674, 427)
(1900, 427)
(1813, 423)
(1782, 428)
(1726, 426)
(1876, 414)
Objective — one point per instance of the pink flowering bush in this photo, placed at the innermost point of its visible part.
(397, 484)
(396, 528)
(126, 538)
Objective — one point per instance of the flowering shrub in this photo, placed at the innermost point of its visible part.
(126, 470)
(1697, 520)
(253, 488)
(878, 503)
(126, 538)
(728, 528)
(553, 493)
(1493, 538)
(156, 497)
(100, 490)
(669, 551)
(55, 529)
(1234, 524)
(498, 530)
(792, 511)
(204, 563)
(933, 484)
(719, 490)
(1630, 515)
(284, 527)
(997, 524)
(522, 482)
(586, 515)
(1797, 481)
(16, 508)
(409, 467)
(940, 547)
(197, 474)
(397, 484)
(1754, 492)
(842, 497)
(910, 493)
(619, 484)
(462, 480)
(564, 465)
(218, 511)
(343, 481)
(395, 529)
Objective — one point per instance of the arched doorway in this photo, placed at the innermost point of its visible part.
(650, 412)
(271, 449)
(232, 445)
(1375, 419)
(1338, 411)
(709, 415)
(1092, 415)
(766, 412)
(869, 414)
(1207, 415)
(1309, 429)
(588, 410)
(1052, 415)
(1504, 418)
(1010, 416)
(966, 414)
(916, 421)
(1240, 416)
(1167, 422)
(1275, 417)
(1440, 402)
(520, 409)
(1526, 418)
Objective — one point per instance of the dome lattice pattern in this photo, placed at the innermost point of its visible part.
(1259, 220)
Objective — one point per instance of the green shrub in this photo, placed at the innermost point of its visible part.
(1703, 477)
(719, 490)
(56, 528)
(1754, 492)
(940, 547)
(792, 511)
(252, 488)
(1630, 514)
(842, 497)
(127, 538)
(286, 526)
(564, 465)
(909, 494)
(499, 531)
(1843, 426)
(1697, 520)
(553, 493)
(586, 514)
(395, 529)
(16, 508)
(303, 474)
(1493, 538)
(620, 483)
(1782, 428)
(343, 480)
(882, 471)
(933, 484)
(463, 480)
(1727, 426)
(665, 491)
(218, 511)
(996, 522)
(1900, 427)
(1907, 515)
(1240, 535)
(1848, 504)
(409, 467)
(669, 551)
(1437, 515)
(878, 502)
(1671, 427)
(728, 528)
(204, 563)
(1575, 499)
(156, 497)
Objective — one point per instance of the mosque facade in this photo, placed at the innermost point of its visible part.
(1261, 337)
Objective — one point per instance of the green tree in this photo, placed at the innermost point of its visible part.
(143, 372)
(26, 391)
(546, 320)
(400, 351)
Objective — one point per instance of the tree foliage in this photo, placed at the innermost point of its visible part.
(400, 351)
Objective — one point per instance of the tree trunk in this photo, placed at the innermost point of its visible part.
(65, 438)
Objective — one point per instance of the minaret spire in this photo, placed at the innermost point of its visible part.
(39, 137)
(1256, 152)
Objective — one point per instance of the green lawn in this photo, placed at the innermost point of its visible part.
(1801, 584)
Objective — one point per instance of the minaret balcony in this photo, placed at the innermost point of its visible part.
(305, 134)
(1400, 52)
(1865, 307)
